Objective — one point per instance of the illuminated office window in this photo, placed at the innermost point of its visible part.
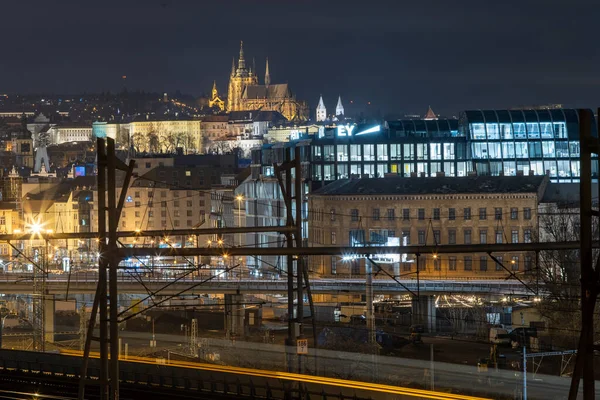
(342, 152)
(449, 169)
(547, 132)
(519, 130)
(382, 152)
(448, 151)
(395, 152)
(328, 153)
(369, 152)
(562, 148)
(493, 131)
(409, 169)
(480, 150)
(422, 151)
(342, 171)
(510, 168)
(355, 152)
(560, 130)
(533, 130)
(409, 152)
(521, 150)
(550, 166)
(435, 151)
(494, 150)
(574, 149)
(506, 131)
(382, 169)
(478, 131)
(548, 149)
(328, 173)
(508, 150)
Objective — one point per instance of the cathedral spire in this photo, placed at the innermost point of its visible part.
(214, 92)
(232, 66)
(339, 109)
(267, 75)
(242, 61)
(321, 110)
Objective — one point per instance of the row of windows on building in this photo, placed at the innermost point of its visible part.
(385, 152)
(485, 263)
(176, 203)
(381, 236)
(163, 213)
(163, 223)
(436, 214)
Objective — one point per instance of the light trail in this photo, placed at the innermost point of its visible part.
(357, 385)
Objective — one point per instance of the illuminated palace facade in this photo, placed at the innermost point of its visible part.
(493, 142)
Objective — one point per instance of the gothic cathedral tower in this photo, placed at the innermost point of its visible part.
(240, 78)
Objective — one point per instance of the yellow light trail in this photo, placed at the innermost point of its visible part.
(357, 385)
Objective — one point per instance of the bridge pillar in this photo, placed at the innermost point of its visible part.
(424, 312)
(49, 307)
(234, 315)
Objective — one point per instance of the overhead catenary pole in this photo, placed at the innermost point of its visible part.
(100, 296)
(298, 235)
(584, 364)
(291, 339)
(109, 258)
(113, 220)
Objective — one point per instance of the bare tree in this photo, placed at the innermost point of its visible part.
(559, 272)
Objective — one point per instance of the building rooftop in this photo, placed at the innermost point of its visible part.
(439, 185)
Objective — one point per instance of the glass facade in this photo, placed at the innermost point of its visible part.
(405, 147)
(511, 142)
(484, 142)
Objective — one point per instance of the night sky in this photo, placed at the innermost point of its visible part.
(400, 55)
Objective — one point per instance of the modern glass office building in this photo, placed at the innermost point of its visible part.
(405, 147)
(482, 142)
(511, 142)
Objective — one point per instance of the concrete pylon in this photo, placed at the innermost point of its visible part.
(425, 313)
(49, 307)
(234, 314)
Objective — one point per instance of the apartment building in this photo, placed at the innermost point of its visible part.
(397, 211)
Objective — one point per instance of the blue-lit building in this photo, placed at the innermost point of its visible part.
(481, 142)
(538, 142)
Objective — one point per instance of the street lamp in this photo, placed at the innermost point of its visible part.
(240, 198)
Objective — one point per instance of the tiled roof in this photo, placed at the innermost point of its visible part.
(439, 185)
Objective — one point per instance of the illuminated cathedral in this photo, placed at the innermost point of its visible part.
(246, 94)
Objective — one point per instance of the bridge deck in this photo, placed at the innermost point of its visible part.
(86, 284)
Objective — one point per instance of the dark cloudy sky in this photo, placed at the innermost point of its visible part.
(401, 55)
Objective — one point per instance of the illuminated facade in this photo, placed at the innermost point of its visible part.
(539, 142)
(398, 211)
(154, 134)
(215, 100)
(246, 94)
